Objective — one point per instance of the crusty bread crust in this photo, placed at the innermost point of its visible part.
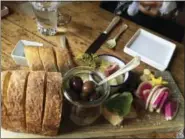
(33, 58)
(50, 59)
(63, 59)
(31, 101)
(53, 104)
(16, 100)
(47, 58)
(5, 77)
(34, 101)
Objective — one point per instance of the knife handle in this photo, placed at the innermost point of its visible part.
(114, 21)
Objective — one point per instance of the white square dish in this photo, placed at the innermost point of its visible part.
(153, 50)
(18, 52)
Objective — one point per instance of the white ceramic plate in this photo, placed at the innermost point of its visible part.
(18, 52)
(153, 50)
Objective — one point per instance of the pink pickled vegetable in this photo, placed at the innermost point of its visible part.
(163, 100)
(111, 69)
(156, 92)
(170, 109)
(142, 87)
(155, 96)
(146, 94)
(159, 97)
(151, 95)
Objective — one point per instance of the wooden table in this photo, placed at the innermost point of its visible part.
(88, 20)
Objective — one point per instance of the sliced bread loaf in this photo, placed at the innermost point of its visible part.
(34, 101)
(53, 104)
(16, 99)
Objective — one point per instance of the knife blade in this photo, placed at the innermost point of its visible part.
(102, 37)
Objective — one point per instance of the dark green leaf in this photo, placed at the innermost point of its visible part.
(120, 104)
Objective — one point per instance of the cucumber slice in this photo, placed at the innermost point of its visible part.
(120, 79)
(113, 82)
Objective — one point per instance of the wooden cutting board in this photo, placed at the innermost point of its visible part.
(145, 123)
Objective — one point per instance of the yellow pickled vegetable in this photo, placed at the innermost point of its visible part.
(157, 81)
(147, 72)
(148, 76)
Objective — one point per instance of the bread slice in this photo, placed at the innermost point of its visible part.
(63, 59)
(16, 99)
(47, 58)
(5, 77)
(53, 104)
(33, 58)
(34, 101)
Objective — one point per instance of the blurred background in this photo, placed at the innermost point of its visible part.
(171, 25)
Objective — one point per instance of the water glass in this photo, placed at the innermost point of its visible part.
(48, 16)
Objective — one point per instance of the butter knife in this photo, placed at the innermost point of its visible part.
(103, 36)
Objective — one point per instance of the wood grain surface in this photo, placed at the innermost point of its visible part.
(88, 21)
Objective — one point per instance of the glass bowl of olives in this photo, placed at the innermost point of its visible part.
(84, 94)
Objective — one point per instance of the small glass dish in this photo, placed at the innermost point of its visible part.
(84, 112)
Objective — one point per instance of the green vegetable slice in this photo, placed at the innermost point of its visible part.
(120, 104)
(120, 79)
(112, 82)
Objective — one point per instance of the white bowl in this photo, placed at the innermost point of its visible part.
(121, 63)
(18, 52)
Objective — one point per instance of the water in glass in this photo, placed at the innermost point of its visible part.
(46, 15)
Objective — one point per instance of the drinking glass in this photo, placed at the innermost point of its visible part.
(48, 16)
